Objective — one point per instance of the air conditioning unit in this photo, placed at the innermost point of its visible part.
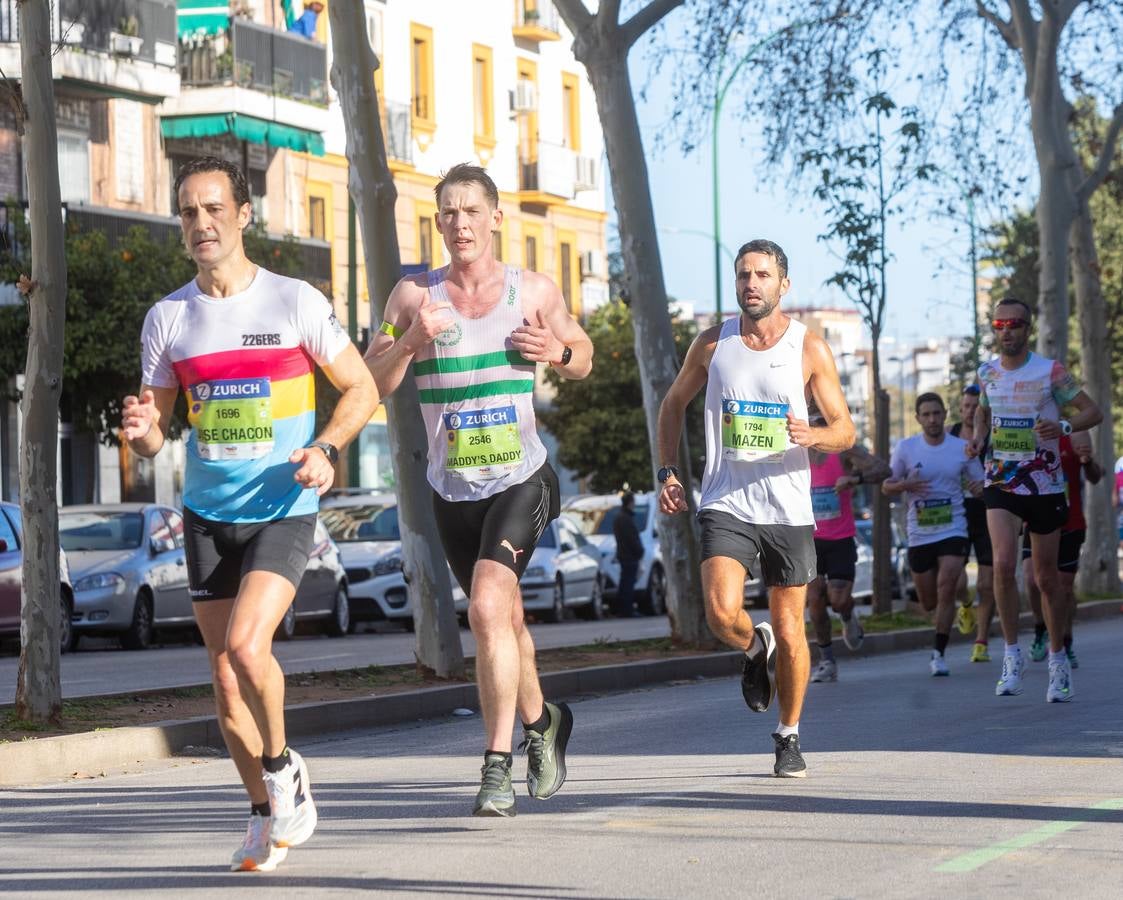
(586, 175)
(592, 264)
(524, 97)
(124, 44)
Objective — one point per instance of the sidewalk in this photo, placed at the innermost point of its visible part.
(41, 760)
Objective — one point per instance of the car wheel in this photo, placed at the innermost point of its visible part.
(594, 609)
(556, 612)
(657, 592)
(68, 637)
(340, 622)
(287, 627)
(138, 636)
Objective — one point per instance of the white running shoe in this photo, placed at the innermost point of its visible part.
(852, 632)
(257, 853)
(827, 670)
(938, 666)
(1060, 683)
(1011, 681)
(290, 799)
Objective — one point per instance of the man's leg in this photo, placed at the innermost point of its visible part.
(984, 587)
(1048, 580)
(793, 660)
(625, 605)
(1038, 649)
(723, 590)
(499, 673)
(925, 584)
(1068, 589)
(948, 570)
(1004, 528)
(827, 670)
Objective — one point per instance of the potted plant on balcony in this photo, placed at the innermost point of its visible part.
(126, 40)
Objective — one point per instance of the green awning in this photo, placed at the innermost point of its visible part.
(201, 17)
(245, 128)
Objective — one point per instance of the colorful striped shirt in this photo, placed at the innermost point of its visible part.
(245, 365)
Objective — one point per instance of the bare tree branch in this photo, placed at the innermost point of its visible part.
(575, 13)
(1004, 28)
(1103, 165)
(1064, 10)
(608, 13)
(646, 18)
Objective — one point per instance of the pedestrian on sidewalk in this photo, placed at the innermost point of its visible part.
(629, 553)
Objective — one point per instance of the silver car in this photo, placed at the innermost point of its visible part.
(128, 570)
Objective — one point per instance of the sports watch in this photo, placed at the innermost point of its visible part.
(666, 472)
(1066, 426)
(330, 450)
(567, 355)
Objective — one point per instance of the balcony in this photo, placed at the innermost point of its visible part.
(536, 21)
(126, 48)
(257, 73)
(550, 177)
(397, 127)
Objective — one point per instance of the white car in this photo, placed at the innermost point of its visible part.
(364, 525)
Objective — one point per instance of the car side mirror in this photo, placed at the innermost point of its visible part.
(3, 546)
(566, 546)
(161, 545)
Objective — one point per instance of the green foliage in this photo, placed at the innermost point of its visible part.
(600, 422)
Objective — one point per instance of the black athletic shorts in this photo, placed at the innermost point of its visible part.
(838, 559)
(1042, 513)
(977, 534)
(926, 557)
(220, 554)
(1068, 554)
(504, 528)
(787, 552)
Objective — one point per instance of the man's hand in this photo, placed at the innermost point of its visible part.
(975, 488)
(315, 471)
(431, 319)
(138, 415)
(974, 448)
(537, 342)
(672, 497)
(916, 485)
(844, 483)
(1047, 429)
(800, 431)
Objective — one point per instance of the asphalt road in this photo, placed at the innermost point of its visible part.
(917, 787)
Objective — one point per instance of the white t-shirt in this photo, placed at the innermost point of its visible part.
(937, 514)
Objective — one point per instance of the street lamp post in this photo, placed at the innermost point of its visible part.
(900, 361)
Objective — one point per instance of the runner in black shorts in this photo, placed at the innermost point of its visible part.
(979, 539)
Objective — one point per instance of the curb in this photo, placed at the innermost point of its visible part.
(45, 759)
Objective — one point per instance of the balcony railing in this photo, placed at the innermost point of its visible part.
(536, 20)
(398, 129)
(139, 29)
(552, 173)
(259, 58)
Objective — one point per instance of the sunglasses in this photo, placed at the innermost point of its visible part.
(1007, 324)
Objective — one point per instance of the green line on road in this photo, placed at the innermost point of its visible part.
(968, 862)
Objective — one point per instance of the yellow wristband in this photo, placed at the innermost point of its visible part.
(391, 330)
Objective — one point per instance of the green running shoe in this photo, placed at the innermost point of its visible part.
(496, 796)
(1071, 654)
(545, 753)
(1039, 649)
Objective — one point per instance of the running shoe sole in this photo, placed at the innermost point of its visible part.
(752, 681)
(276, 857)
(305, 818)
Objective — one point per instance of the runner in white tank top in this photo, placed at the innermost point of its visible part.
(756, 491)
(474, 333)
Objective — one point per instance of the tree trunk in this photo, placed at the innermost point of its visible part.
(882, 533)
(1099, 565)
(606, 62)
(38, 688)
(1054, 219)
(372, 188)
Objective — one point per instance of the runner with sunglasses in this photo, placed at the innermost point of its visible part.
(1019, 410)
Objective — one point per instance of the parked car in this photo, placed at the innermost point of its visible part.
(365, 527)
(899, 572)
(11, 579)
(129, 569)
(323, 595)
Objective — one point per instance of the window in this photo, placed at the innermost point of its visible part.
(425, 240)
(532, 247)
(424, 108)
(317, 218)
(175, 522)
(571, 111)
(74, 166)
(528, 120)
(483, 98)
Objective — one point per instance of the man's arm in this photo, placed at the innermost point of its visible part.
(550, 329)
(411, 322)
(690, 379)
(898, 482)
(1082, 446)
(982, 426)
(144, 419)
(863, 467)
(821, 376)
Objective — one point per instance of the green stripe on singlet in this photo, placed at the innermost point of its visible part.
(475, 391)
(448, 364)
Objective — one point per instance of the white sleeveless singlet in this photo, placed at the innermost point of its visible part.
(477, 399)
(752, 472)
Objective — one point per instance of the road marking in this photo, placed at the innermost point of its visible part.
(968, 862)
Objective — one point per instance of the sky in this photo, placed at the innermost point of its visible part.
(929, 283)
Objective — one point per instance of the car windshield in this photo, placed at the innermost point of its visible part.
(600, 521)
(367, 522)
(100, 530)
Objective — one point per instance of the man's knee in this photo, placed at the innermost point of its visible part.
(721, 616)
(248, 658)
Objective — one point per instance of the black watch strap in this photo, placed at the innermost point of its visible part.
(330, 450)
(567, 355)
(666, 472)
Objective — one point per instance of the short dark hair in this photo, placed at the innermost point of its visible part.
(1014, 301)
(238, 185)
(627, 499)
(466, 173)
(768, 248)
(930, 398)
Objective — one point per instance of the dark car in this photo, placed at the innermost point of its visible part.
(322, 596)
(11, 578)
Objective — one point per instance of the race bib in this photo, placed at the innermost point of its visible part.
(933, 514)
(825, 503)
(483, 444)
(233, 419)
(1013, 439)
(753, 431)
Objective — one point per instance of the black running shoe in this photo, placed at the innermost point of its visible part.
(789, 761)
(758, 677)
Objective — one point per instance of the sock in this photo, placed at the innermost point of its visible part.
(941, 643)
(275, 763)
(755, 648)
(259, 809)
(826, 651)
(507, 759)
(1013, 650)
(784, 730)
(1068, 641)
(1038, 630)
(1058, 657)
(541, 723)
(982, 643)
